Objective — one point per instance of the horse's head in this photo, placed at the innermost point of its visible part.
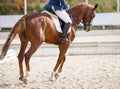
(88, 17)
(84, 13)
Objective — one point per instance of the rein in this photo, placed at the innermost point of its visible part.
(74, 18)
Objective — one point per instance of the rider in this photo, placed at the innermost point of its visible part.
(59, 7)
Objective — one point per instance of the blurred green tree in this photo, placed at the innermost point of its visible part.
(13, 7)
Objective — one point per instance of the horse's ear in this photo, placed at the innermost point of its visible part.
(95, 7)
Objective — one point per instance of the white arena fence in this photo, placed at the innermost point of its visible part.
(107, 19)
(101, 19)
(8, 21)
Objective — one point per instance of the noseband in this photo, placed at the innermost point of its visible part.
(85, 23)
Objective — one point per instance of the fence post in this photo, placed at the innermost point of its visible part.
(0, 26)
(25, 7)
(86, 1)
(118, 6)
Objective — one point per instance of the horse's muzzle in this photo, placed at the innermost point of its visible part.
(87, 28)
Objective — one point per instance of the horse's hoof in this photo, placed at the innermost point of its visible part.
(25, 81)
(56, 75)
(52, 79)
(21, 78)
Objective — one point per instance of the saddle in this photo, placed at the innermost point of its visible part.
(59, 24)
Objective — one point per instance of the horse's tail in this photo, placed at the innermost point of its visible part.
(19, 26)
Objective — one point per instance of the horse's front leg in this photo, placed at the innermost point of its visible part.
(58, 67)
(55, 68)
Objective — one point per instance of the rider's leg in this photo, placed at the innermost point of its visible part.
(64, 36)
(62, 14)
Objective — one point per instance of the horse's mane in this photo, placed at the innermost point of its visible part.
(81, 4)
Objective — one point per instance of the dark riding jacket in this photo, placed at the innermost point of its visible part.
(56, 5)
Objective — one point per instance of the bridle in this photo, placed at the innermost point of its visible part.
(89, 18)
(77, 21)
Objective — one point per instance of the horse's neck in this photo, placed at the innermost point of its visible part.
(74, 16)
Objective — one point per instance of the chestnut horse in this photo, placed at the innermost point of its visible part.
(37, 28)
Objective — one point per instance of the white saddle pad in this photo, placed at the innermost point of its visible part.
(56, 21)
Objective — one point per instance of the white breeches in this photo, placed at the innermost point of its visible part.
(62, 14)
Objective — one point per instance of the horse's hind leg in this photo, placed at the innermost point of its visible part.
(21, 54)
(28, 54)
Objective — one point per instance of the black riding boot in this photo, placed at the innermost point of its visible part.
(64, 36)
